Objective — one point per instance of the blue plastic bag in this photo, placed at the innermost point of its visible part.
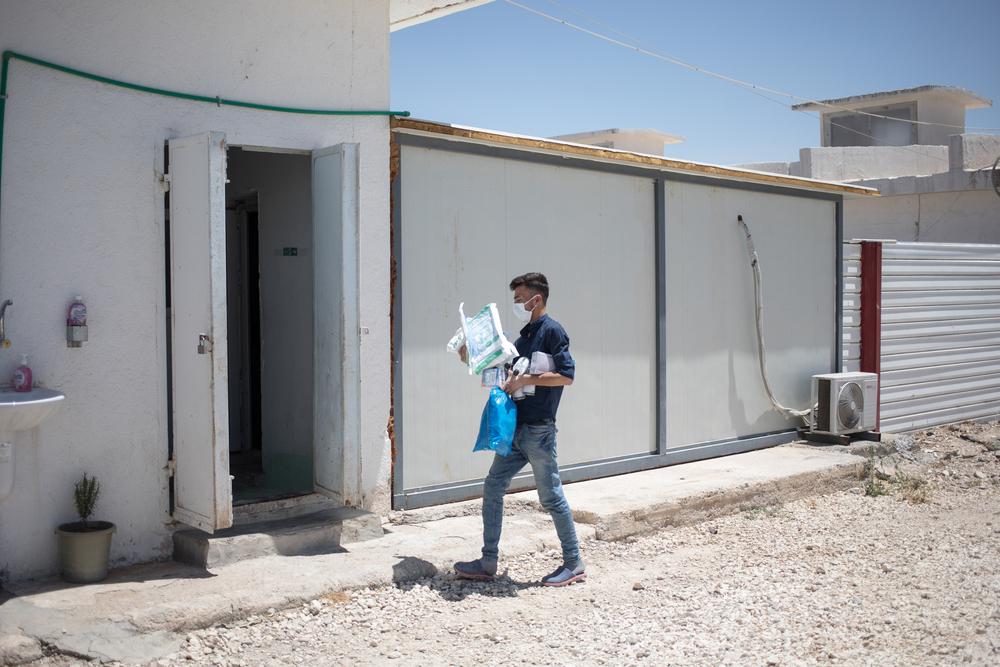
(498, 423)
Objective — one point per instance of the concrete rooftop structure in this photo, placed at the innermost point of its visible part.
(911, 144)
(967, 98)
(651, 142)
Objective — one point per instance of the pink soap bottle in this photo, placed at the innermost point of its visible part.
(22, 376)
(76, 316)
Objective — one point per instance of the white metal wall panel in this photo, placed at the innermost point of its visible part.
(851, 355)
(940, 333)
(714, 389)
(469, 223)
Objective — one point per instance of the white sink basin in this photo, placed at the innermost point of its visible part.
(23, 411)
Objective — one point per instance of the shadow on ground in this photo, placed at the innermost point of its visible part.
(131, 574)
(410, 573)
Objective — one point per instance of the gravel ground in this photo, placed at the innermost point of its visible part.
(907, 578)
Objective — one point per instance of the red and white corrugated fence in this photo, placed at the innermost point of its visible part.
(926, 317)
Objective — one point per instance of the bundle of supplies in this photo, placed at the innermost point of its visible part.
(488, 350)
(483, 337)
(540, 363)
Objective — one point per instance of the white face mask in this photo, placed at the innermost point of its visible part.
(521, 310)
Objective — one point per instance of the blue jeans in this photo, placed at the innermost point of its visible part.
(534, 444)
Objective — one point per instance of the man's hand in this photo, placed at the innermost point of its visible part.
(463, 354)
(513, 383)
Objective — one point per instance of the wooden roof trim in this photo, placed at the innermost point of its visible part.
(651, 161)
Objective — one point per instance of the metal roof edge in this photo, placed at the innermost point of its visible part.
(969, 99)
(652, 162)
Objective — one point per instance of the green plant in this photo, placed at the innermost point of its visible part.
(873, 476)
(912, 488)
(85, 495)
(875, 488)
(769, 510)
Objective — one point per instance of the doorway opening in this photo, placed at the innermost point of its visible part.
(269, 284)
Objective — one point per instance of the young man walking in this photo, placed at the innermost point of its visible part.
(534, 439)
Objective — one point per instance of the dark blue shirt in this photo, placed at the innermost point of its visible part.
(545, 335)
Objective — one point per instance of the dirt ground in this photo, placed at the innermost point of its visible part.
(902, 569)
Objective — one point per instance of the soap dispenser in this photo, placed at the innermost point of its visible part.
(76, 323)
(22, 376)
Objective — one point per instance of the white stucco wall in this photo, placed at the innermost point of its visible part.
(973, 151)
(941, 109)
(82, 213)
(962, 216)
(853, 163)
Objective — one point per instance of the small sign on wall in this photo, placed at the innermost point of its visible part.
(289, 251)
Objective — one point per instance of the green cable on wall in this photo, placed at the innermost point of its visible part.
(218, 101)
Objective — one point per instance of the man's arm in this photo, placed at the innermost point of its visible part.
(565, 367)
(549, 379)
(542, 380)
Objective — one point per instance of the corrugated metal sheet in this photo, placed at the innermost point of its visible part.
(852, 308)
(940, 333)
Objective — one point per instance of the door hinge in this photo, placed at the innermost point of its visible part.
(204, 344)
(164, 181)
(171, 467)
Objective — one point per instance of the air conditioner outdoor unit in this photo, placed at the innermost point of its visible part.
(845, 402)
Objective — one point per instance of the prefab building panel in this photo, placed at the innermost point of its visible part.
(467, 225)
(714, 389)
(651, 276)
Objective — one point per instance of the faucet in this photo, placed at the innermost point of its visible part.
(3, 315)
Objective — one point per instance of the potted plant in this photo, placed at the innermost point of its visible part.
(84, 545)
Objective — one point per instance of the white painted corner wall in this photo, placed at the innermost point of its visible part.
(82, 212)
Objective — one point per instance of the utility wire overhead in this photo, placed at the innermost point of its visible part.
(723, 77)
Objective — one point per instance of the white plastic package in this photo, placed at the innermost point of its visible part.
(457, 341)
(494, 377)
(520, 368)
(487, 346)
(541, 362)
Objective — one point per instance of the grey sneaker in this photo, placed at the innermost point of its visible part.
(566, 575)
(477, 570)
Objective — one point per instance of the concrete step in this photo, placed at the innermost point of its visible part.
(284, 508)
(325, 531)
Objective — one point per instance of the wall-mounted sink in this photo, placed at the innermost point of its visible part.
(22, 411)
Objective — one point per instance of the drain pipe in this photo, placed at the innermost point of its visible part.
(218, 101)
(758, 294)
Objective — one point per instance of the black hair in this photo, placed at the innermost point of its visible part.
(533, 282)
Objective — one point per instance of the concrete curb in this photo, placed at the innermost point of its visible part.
(713, 505)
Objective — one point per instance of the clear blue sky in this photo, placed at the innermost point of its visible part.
(498, 67)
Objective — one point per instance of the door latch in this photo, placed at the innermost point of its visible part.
(204, 344)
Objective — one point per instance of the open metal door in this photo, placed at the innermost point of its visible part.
(337, 354)
(202, 487)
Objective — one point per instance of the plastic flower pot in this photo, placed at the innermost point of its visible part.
(84, 550)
